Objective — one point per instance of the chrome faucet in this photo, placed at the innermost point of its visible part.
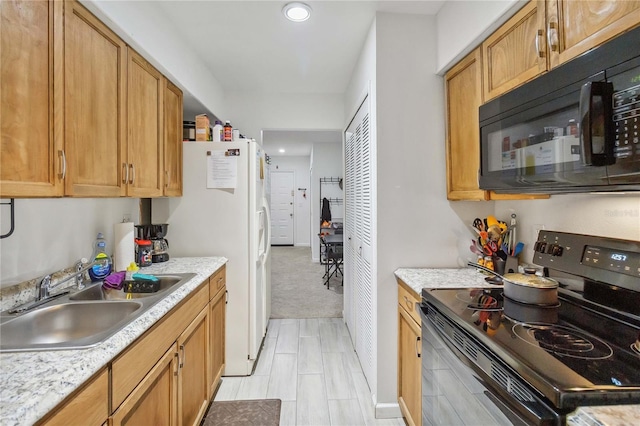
(44, 286)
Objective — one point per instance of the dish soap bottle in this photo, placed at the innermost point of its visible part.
(99, 271)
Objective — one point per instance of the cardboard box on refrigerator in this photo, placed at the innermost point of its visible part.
(203, 129)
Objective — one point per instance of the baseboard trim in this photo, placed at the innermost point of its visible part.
(302, 245)
(388, 410)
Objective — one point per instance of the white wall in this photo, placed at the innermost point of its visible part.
(326, 162)
(462, 25)
(300, 166)
(53, 234)
(609, 215)
(143, 26)
(252, 112)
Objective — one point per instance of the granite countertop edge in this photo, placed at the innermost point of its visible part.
(419, 278)
(33, 383)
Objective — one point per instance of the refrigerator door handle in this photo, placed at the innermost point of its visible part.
(267, 226)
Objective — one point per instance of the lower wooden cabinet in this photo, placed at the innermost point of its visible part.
(154, 400)
(193, 370)
(217, 324)
(409, 357)
(217, 315)
(89, 403)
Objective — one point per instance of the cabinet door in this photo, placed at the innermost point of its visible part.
(193, 386)
(172, 140)
(463, 89)
(153, 401)
(409, 368)
(94, 105)
(145, 93)
(577, 26)
(217, 318)
(516, 52)
(31, 164)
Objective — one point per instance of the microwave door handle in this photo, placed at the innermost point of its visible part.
(596, 124)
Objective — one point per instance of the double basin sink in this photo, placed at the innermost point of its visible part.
(81, 319)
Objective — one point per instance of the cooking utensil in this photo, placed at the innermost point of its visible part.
(491, 221)
(526, 312)
(518, 248)
(478, 224)
(475, 250)
(526, 288)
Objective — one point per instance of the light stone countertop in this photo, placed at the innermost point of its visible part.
(33, 383)
(419, 278)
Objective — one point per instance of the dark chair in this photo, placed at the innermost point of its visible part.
(334, 263)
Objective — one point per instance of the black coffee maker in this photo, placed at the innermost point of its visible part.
(156, 234)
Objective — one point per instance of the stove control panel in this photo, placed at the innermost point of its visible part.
(605, 260)
(614, 260)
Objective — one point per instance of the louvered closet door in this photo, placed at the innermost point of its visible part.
(349, 212)
(359, 241)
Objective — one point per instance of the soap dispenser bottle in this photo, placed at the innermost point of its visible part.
(102, 260)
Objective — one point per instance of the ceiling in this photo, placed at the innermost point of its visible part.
(249, 46)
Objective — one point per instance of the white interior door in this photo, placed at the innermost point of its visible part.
(282, 197)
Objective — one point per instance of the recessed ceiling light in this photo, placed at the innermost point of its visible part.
(297, 12)
(281, 150)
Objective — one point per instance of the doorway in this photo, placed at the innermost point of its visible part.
(282, 211)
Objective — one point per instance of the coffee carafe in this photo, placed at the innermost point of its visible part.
(160, 250)
(159, 244)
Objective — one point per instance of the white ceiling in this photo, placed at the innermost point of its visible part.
(250, 46)
(297, 142)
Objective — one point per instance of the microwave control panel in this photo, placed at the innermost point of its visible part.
(626, 113)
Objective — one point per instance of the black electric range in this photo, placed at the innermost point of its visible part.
(585, 350)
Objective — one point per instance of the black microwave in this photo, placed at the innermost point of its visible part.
(573, 129)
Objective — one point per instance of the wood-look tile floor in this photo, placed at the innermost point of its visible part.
(311, 366)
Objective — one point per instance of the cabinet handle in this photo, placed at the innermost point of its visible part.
(418, 354)
(133, 174)
(539, 35)
(226, 297)
(125, 173)
(166, 180)
(177, 357)
(552, 36)
(408, 303)
(63, 164)
(181, 358)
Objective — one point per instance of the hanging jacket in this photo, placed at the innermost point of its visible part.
(326, 211)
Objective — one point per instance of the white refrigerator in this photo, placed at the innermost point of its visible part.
(224, 212)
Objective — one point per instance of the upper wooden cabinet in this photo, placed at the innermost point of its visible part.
(172, 140)
(545, 34)
(463, 92)
(573, 27)
(516, 52)
(31, 38)
(82, 115)
(145, 130)
(95, 66)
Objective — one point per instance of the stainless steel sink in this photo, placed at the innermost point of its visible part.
(81, 320)
(98, 292)
(68, 325)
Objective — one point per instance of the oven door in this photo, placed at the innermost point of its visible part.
(456, 392)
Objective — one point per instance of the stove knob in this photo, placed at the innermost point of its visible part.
(556, 250)
(550, 248)
(541, 247)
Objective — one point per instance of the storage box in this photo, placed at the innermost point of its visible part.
(203, 129)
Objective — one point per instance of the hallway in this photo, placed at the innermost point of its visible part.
(311, 366)
(297, 286)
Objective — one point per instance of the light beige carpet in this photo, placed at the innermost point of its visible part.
(297, 286)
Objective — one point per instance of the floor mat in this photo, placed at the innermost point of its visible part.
(264, 412)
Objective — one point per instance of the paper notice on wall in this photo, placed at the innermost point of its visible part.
(222, 168)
